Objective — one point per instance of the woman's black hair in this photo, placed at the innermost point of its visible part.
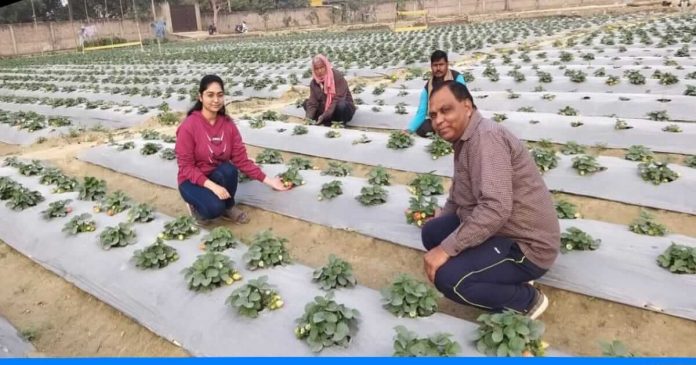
(205, 82)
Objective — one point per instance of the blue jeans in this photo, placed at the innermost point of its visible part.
(203, 200)
(493, 275)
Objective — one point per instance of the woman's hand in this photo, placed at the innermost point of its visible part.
(218, 190)
(275, 183)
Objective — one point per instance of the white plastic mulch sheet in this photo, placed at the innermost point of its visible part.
(11, 344)
(624, 267)
(679, 195)
(201, 322)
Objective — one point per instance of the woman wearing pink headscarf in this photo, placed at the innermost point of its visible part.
(330, 99)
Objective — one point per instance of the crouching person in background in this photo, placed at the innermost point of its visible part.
(330, 99)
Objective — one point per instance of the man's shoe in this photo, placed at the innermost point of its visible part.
(235, 215)
(200, 221)
(539, 305)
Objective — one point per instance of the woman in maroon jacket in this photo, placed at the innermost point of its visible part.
(210, 151)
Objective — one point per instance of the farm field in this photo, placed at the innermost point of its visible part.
(605, 104)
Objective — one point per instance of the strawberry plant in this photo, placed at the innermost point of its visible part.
(168, 118)
(615, 348)
(23, 198)
(180, 228)
(400, 108)
(155, 256)
(141, 213)
(126, 146)
(420, 209)
(266, 250)
(576, 76)
(269, 156)
(378, 90)
(639, 153)
(659, 115)
(92, 189)
(517, 75)
(690, 161)
(168, 154)
(544, 77)
(399, 140)
(299, 130)
(408, 297)
(65, 184)
(257, 123)
(499, 117)
(166, 138)
(218, 240)
(114, 203)
(30, 169)
(363, 139)
(566, 56)
(690, 90)
(57, 209)
(657, 172)
(337, 169)
(585, 164)
(7, 187)
(548, 97)
(573, 148)
(50, 176)
(380, 176)
(336, 274)
(149, 134)
(645, 224)
(300, 163)
(612, 80)
(574, 239)
(426, 184)
(568, 110)
(544, 158)
(372, 195)
(326, 323)
(333, 134)
(672, 128)
(635, 77)
(119, 236)
(622, 125)
(510, 334)
(150, 148)
(439, 147)
(291, 177)
(678, 259)
(576, 124)
(407, 344)
(210, 270)
(79, 224)
(254, 297)
(566, 210)
(330, 190)
(242, 177)
(12, 162)
(668, 79)
(682, 52)
(376, 109)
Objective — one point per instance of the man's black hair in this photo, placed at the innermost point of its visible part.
(460, 91)
(438, 55)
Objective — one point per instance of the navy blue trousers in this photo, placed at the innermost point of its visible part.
(203, 200)
(493, 275)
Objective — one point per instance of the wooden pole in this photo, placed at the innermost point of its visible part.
(86, 12)
(14, 41)
(33, 14)
(137, 24)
